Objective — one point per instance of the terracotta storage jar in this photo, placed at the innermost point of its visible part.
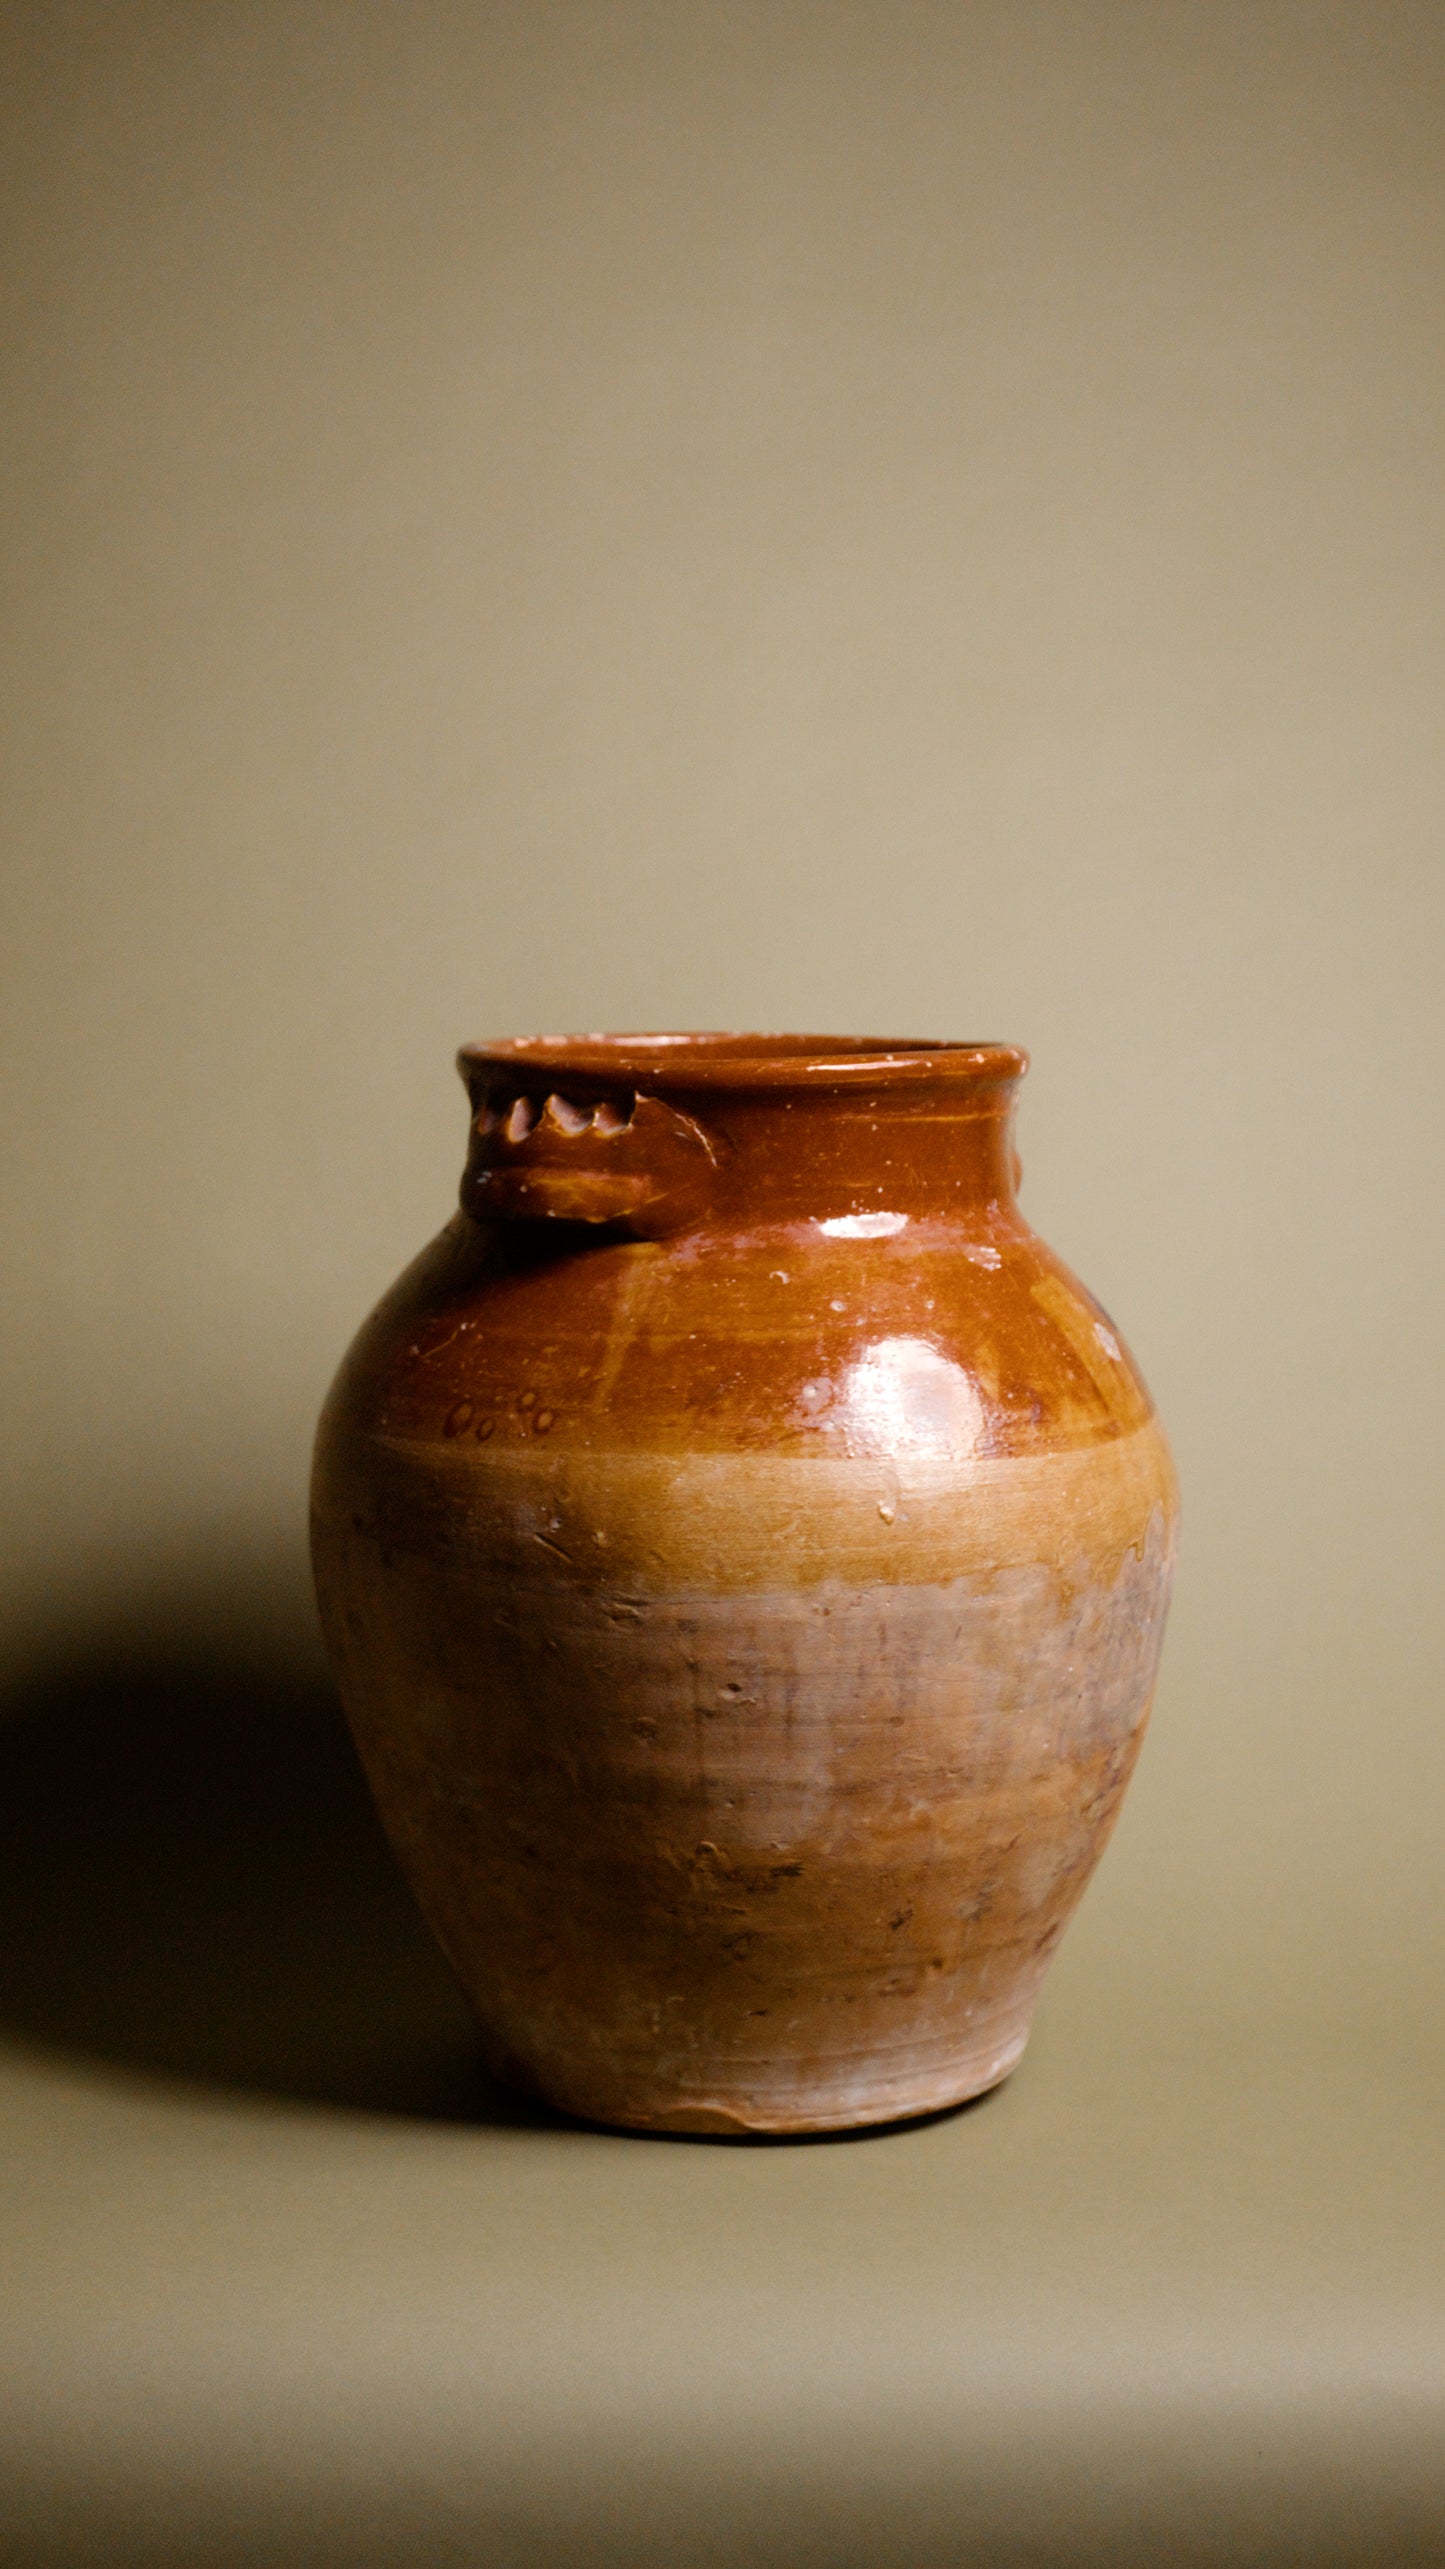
(743, 1548)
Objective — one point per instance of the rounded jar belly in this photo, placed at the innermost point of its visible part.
(748, 1633)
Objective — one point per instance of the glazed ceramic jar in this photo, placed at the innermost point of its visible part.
(743, 1548)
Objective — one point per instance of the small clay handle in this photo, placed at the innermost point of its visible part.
(544, 1156)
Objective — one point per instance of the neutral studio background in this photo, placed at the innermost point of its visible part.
(922, 519)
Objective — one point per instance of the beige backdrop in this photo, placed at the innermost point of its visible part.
(923, 519)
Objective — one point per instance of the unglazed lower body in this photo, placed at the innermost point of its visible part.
(743, 1794)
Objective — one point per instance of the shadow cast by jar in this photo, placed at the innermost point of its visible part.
(194, 1885)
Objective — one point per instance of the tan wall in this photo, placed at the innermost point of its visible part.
(892, 517)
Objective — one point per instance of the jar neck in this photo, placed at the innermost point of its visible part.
(669, 1133)
(860, 1158)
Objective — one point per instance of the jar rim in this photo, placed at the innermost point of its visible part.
(691, 1061)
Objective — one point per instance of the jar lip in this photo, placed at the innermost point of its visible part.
(692, 1061)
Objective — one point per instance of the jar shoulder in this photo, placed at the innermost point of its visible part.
(941, 1339)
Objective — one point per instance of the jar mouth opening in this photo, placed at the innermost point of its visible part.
(691, 1061)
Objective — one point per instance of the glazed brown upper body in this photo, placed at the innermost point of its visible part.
(743, 1547)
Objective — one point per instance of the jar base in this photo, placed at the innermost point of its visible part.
(867, 2107)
